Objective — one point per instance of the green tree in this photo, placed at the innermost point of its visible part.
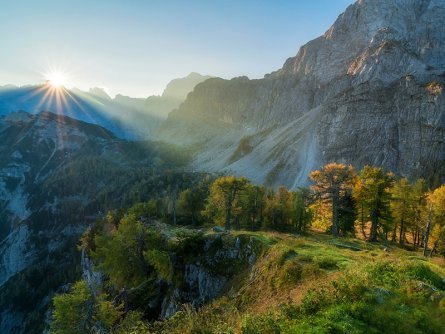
(191, 203)
(301, 212)
(331, 183)
(279, 208)
(73, 312)
(373, 197)
(121, 252)
(403, 206)
(80, 311)
(420, 193)
(224, 193)
(252, 204)
(347, 214)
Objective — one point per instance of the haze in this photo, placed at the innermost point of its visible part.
(136, 50)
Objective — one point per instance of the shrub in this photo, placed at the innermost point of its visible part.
(423, 272)
(327, 263)
(265, 324)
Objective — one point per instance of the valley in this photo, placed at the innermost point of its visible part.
(310, 200)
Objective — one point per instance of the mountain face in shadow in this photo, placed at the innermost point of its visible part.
(57, 175)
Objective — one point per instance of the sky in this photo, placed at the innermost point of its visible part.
(135, 47)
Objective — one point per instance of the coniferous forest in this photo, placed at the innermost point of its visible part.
(356, 251)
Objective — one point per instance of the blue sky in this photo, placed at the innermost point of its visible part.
(135, 47)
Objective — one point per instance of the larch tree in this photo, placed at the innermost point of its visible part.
(191, 203)
(330, 184)
(302, 215)
(374, 196)
(225, 191)
(436, 225)
(403, 206)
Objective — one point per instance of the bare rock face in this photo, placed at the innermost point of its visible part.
(204, 277)
(369, 91)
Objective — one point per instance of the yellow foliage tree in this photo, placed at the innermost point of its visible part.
(330, 184)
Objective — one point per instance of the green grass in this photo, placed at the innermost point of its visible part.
(311, 285)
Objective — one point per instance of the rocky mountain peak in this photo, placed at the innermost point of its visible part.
(178, 89)
(379, 40)
(99, 92)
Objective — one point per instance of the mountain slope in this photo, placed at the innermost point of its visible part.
(58, 174)
(374, 82)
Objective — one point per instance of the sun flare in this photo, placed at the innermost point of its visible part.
(56, 79)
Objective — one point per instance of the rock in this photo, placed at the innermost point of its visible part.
(381, 295)
(171, 304)
(218, 229)
(354, 248)
(437, 296)
(369, 91)
(199, 279)
(425, 288)
(221, 258)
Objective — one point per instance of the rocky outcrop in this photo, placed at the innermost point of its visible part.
(211, 270)
(369, 91)
(15, 255)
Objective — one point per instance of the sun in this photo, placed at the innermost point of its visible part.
(56, 79)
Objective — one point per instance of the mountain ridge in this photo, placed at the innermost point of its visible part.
(127, 117)
(388, 48)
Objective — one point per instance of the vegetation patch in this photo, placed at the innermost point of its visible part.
(434, 88)
(244, 148)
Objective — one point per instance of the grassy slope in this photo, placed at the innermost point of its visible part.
(313, 284)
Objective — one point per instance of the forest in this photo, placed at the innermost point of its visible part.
(371, 204)
(298, 237)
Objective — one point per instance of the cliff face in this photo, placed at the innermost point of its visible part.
(208, 272)
(369, 91)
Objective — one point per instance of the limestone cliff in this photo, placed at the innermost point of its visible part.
(369, 91)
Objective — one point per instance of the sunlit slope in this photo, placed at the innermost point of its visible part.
(318, 284)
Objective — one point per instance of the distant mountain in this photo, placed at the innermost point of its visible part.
(369, 91)
(99, 92)
(174, 94)
(57, 174)
(126, 117)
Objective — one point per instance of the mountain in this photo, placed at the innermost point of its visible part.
(369, 91)
(148, 114)
(126, 117)
(57, 175)
(174, 94)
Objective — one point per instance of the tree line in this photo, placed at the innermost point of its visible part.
(371, 203)
(382, 206)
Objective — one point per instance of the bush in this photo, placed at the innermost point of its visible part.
(327, 263)
(423, 272)
(292, 272)
(265, 324)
